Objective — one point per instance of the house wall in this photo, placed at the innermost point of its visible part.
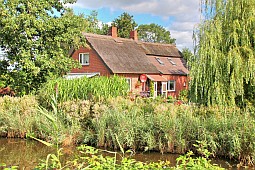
(179, 85)
(134, 82)
(95, 63)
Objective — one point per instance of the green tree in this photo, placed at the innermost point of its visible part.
(125, 23)
(154, 33)
(224, 63)
(187, 54)
(36, 35)
(92, 24)
(105, 29)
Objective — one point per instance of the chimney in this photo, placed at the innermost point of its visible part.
(113, 32)
(133, 35)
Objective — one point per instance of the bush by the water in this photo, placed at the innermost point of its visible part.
(22, 116)
(90, 158)
(143, 124)
(17, 115)
(84, 88)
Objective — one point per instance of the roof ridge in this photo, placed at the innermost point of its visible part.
(106, 37)
(125, 39)
(153, 43)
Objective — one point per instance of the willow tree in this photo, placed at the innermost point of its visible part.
(223, 69)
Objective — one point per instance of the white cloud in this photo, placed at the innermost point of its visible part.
(183, 39)
(185, 13)
(183, 33)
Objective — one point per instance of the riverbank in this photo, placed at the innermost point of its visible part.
(27, 154)
(139, 125)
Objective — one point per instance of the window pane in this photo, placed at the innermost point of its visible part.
(84, 58)
(129, 83)
(80, 58)
(171, 61)
(160, 62)
(171, 85)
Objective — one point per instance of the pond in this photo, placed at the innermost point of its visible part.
(27, 154)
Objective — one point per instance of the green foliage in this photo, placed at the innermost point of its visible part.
(4, 167)
(154, 33)
(96, 88)
(92, 24)
(155, 125)
(188, 162)
(89, 158)
(171, 99)
(17, 115)
(223, 66)
(20, 117)
(183, 96)
(198, 163)
(152, 89)
(36, 36)
(187, 54)
(125, 23)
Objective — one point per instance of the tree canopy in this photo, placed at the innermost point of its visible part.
(224, 63)
(187, 54)
(125, 23)
(92, 24)
(36, 35)
(154, 33)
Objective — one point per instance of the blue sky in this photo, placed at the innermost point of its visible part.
(106, 15)
(177, 16)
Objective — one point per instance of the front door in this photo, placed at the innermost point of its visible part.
(155, 89)
(164, 89)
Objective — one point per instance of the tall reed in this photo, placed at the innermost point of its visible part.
(96, 88)
(150, 125)
(142, 124)
(17, 115)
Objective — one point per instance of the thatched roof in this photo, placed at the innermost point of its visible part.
(159, 49)
(128, 56)
(121, 55)
(177, 67)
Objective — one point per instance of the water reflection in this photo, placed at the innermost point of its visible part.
(27, 154)
(23, 153)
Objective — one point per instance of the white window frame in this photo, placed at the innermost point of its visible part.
(160, 61)
(129, 81)
(82, 59)
(168, 85)
(171, 61)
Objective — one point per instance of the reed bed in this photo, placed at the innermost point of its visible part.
(142, 124)
(22, 116)
(149, 125)
(96, 89)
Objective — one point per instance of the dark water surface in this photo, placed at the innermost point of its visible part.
(27, 154)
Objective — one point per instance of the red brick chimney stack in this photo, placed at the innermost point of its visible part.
(133, 35)
(113, 32)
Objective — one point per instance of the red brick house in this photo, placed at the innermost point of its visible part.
(162, 65)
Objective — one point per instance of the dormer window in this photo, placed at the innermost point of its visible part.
(84, 58)
(171, 61)
(160, 62)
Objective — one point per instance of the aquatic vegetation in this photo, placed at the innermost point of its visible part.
(141, 125)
